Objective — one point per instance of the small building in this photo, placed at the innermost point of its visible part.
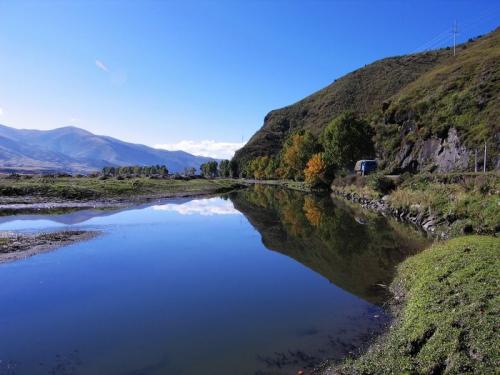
(364, 167)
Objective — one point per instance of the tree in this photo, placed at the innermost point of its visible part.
(234, 169)
(209, 169)
(297, 151)
(224, 170)
(190, 171)
(315, 170)
(259, 165)
(347, 139)
(162, 170)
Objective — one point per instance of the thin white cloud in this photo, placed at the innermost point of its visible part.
(1, 111)
(101, 66)
(203, 207)
(211, 148)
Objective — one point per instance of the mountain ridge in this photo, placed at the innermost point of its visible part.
(76, 150)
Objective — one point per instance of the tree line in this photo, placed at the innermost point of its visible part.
(226, 168)
(136, 170)
(315, 160)
(211, 169)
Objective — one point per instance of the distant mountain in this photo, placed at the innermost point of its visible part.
(71, 149)
(430, 111)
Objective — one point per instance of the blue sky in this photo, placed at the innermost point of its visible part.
(200, 75)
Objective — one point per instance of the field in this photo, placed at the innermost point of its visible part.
(18, 188)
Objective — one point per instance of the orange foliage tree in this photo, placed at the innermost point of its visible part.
(315, 170)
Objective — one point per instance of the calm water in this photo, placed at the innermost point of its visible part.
(263, 281)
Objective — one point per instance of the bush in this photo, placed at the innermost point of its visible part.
(381, 183)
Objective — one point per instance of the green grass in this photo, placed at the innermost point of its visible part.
(448, 322)
(95, 188)
(464, 200)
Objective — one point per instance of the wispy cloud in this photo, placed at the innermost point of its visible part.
(101, 66)
(214, 149)
(1, 111)
(203, 207)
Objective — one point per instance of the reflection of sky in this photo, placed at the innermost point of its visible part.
(174, 211)
(204, 207)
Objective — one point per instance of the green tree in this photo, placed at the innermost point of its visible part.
(163, 170)
(209, 169)
(345, 140)
(234, 169)
(224, 170)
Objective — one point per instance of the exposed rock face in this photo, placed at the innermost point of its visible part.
(435, 155)
(452, 155)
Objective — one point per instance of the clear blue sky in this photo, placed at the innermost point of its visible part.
(166, 71)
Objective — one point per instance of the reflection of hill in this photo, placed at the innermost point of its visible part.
(72, 216)
(325, 237)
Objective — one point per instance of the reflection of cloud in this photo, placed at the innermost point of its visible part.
(101, 65)
(214, 149)
(204, 207)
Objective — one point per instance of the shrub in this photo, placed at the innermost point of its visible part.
(381, 183)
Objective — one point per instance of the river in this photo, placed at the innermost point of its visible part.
(259, 281)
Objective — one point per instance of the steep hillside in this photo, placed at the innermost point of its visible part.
(72, 149)
(437, 121)
(431, 92)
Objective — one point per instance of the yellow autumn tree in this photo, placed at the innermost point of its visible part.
(296, 152)
(315, 170)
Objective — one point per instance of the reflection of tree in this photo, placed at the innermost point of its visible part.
(312, 211)
(324, 235)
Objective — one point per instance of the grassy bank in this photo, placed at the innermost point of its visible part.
(88, 188)
(462, 203)
(447, 317)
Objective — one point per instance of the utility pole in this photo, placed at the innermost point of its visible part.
(475, 160)
(484, 160)
(454, 31)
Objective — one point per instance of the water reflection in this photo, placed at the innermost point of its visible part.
(204, 207)
(351, 248)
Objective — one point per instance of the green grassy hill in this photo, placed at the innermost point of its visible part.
(412, 102)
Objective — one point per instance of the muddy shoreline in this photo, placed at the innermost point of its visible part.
(15, 246)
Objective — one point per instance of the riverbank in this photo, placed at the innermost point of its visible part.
(15, 246)
(445, 298)
(25, 194)
(444, 205)
(446, 305)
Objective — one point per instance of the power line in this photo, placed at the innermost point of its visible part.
(454, 31)
(445, 36)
